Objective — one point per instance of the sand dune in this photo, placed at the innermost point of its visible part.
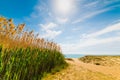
(78, 70)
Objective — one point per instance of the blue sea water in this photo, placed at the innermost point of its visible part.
(73, 55)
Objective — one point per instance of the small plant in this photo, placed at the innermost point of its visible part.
(97, 63)
(70, 59)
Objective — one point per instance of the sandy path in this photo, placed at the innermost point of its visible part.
(78, 70)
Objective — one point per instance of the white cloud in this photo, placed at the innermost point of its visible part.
(90, 14)
(93, 8)
(94, 3)
(61, 20)
(49, 30)
(51, 34)
(95, 41)
(92, 44)
(76, 29)
(115, 27)
(48, 26)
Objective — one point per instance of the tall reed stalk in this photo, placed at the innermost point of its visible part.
(25, 56)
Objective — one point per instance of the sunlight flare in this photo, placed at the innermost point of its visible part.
(63, 7)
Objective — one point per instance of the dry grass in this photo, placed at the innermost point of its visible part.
(15, 35)
(24, 55)
(102, 60)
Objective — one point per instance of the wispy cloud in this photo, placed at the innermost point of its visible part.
(92, 4)
(51, 34)
(94, 8)
(49, 30)
(89, 43)
(115, 27)
(93, 40)
(61, 20)
(91, 14)
(48, 26)
(46, 20)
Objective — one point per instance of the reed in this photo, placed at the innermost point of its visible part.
(24, 55)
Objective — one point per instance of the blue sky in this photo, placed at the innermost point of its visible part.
(79, 26)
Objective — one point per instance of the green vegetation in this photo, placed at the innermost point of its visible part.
(24, 56)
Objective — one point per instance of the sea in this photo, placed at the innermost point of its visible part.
(73, 55)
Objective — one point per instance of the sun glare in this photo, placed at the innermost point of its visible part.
(63, 7)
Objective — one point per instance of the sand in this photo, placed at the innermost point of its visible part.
(77, 70)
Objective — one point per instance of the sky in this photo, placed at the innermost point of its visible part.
(90, 27)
